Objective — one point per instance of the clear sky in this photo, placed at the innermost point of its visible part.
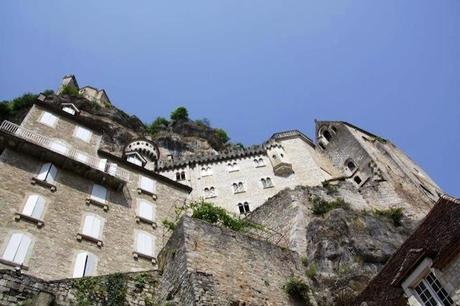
(255, 67)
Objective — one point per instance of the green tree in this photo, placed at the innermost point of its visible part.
(180, 113)
(157, 125)
(222, 135)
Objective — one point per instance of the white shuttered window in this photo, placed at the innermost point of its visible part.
(47, 173)
(144, 243)
(82, 133)
(85, 265)
(99, 193)
(147, 184)
(17, 247)
(34, 207)
(92, 226)
(48, 119)
(146, 210)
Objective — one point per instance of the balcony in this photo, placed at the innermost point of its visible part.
(61, 154)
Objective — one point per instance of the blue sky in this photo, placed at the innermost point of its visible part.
(256, 67)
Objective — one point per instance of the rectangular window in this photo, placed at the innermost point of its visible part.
(92, 226)
(48, 119)
(85, 265)
(147, 184)
(69, 110)
(17, 248)
(82, 133)
(99, 193)
(81, 157)
(146, 210)
(47, 173)
(34, 207)
(144, 244)
(431, 292)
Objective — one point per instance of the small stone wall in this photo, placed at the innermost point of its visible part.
(138, 288)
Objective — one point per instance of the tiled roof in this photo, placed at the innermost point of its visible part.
(436, 237)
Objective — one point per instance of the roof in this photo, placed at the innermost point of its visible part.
(436, 238)
(318, 122)
(293, 134)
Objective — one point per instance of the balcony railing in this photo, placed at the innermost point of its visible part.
(65, 149)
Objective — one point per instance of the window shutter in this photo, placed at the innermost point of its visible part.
(144, 243)
(80, 262)
(99, 193)
(147, 184)
(39, 208)
(146, 210)
(30, 205)
(69, 110)
(12, 247)
(48, 119)
(96, 227)
(90, 265)
(22, 250)
(83, 134)
(88, 225)
(102, 164)
(43, 171)
(52, 174)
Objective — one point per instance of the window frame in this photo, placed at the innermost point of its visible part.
(85, 130)
(51, 125)
(140, 218)
(138, 253)
(21, 214)
(83, 235)
(83, 273)
(141, 189)
(26, 253)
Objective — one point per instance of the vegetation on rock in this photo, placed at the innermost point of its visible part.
(393, 213)
(70, 90)
(179, 113)
(297, 289)
(321, 206)
(208, 212)
(10, 109)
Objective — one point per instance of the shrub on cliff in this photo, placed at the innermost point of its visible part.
(180, 113)
(70, 90)
(222, 135)
(157, 125)
(321, 206)
(393, 213)
(297, 289)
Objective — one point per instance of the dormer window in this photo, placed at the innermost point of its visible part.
(136, 159)
(70, 108)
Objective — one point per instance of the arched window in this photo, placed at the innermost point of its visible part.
(327, 135)
(269, 182)
(240, 187)
(264, 183)
(212, 192)
(241, 208)
(177, 176)
(246, 207)
(235, 187)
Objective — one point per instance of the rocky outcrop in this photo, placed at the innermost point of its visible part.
(343, 248)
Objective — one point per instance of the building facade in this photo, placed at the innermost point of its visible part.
(65, 196)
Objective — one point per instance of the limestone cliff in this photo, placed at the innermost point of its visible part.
(179, 139)
(343, 247)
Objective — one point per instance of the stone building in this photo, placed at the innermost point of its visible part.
(425, 269)
(83, 186)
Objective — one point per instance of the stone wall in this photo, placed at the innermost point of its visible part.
(450, 278)
(137, 289)
(224, 267)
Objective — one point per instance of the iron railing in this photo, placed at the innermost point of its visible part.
(65, 149)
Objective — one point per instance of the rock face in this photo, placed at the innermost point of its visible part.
(179, 140)
(341, 249)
